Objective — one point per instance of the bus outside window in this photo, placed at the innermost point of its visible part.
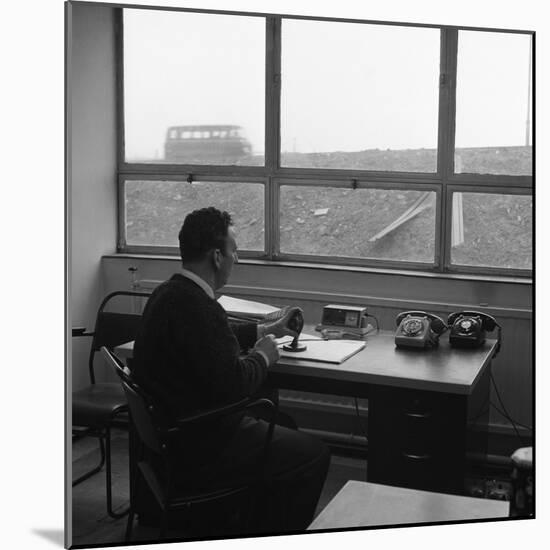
(211, 144)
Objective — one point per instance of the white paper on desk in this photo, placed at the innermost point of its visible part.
(326, 351)
(245, 307)
(303, 336)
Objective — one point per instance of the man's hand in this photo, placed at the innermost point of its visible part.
(280, 328)
(268, 348)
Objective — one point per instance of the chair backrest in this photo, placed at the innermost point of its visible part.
(113, 328)
(142, 417)
(142, 412)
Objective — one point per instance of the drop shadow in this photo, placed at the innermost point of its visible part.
(57, 536)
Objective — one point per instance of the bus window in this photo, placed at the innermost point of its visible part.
(203, 144)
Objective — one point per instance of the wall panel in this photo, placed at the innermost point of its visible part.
(91, 144)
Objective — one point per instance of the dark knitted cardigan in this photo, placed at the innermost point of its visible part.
(189, 357)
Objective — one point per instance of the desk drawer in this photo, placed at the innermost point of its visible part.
(400, 415)
(416, 439)
(423, 471)
(417, 469)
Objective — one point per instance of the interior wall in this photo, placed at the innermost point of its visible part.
(91, 143)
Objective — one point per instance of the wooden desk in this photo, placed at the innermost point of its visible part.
(360, 504)
(421, 406)
(444, 369)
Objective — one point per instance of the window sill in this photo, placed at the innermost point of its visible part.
(346, 268)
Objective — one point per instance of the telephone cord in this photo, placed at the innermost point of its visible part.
(505, 413)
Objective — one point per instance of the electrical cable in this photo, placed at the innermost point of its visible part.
(377, 324)
(505, 414)
(482, 411)
(508, 417)
(502, 413)
(522, 443)
(499, 339)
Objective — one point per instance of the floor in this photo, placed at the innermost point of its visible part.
(91, 525)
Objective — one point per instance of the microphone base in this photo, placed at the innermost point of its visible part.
(291, 348)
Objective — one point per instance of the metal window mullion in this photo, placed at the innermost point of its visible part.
(272, 132)
(274, 219)
(183, 170)
(272, 93)
(347, 183)
(349, 261)
(492, 190)
(483, 180)
(210, 177)
(373, 175)
(446, 139)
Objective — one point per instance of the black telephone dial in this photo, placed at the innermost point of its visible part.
(418, 329)
(469, 328)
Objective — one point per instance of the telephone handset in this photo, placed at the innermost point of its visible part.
(468, 329)
(418, 329)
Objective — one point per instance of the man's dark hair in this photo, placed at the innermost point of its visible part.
(203, 230)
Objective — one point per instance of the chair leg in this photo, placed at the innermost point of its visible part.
(108, 479)
(129, 524)
(134, 491)
(95, 470)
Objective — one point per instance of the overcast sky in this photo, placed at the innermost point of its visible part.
(345, 87)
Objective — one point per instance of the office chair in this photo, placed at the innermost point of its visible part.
(95, 407)
(155, 438)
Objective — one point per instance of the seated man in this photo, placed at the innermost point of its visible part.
(189, 358)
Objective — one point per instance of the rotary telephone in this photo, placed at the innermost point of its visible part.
(418, 329)
(468, 329)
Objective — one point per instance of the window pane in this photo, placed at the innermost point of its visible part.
(492, 230)
(194, 73)
(359, 96)
(360, 223)
(493, 104)
(155, 210)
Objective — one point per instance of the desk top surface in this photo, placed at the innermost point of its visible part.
(443, 369)
(360, 504)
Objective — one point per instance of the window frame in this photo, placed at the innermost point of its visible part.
(207, 178)
(444, 181)
(354, 261)
(488, 190)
